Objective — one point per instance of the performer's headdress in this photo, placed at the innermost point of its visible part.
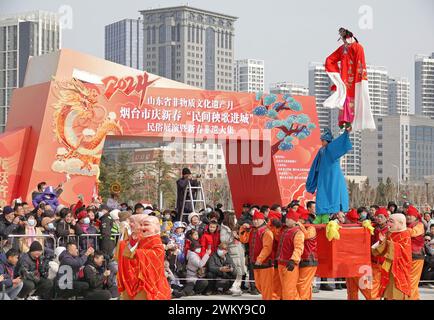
(345, 33)
(327, 135)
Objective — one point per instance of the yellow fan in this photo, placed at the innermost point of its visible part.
(332, 230)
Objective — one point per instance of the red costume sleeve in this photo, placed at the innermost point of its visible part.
(331, 64)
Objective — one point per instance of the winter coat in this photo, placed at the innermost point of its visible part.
(94, 275)
(210, 240)
(7, 270)
(66, 259)
(235, 249)
(7, 228)
(195, 262)
(49, 196)
(216, 262)
(26, 267)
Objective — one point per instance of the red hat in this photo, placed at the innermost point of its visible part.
(294, 215)
(274, 215)
(412, 211)
(82, 214)
(382, 211)
(303, 212)
(258, 215)
(352, 215)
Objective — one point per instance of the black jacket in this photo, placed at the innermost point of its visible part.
(7, 270)
(7, 228)
(215, 263)
(106, 226)
(66, 259)
(94, 275)
(26, 267)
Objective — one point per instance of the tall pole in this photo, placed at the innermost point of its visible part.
(426, 190)
(399, 178)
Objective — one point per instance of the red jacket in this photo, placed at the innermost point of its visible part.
(211, 240)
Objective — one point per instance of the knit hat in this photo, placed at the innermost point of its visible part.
(304, 213)
(274, 215)
(258, 215)
(114, 214)
(82, 214)
(382, 211)
(124, 215)
(60, 207)
(191, 215)
(352, 215)
(7, 210)
(35, 246)
(412, 211)
(294, 215)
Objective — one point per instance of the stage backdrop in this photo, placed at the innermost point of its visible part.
(269, 140)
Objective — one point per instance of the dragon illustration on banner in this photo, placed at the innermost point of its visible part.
(80, 125)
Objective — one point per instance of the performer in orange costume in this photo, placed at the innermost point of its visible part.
(381, 228)
(260, 239)
(371, 287)
(275, 225)
(415, 226)
(309, 257)
(289, 253)
(141, 262)
(395, 247)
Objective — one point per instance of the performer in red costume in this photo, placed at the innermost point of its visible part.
(347, 69)
(141, 262)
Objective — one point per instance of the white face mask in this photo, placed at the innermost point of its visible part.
(51, 226)
(31, 223)
(86, 220)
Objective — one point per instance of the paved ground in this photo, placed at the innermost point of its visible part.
(426, 294)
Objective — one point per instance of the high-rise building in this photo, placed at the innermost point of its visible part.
(378, 90)
(249, 75)
(289, 88)
(424, 85)
(22, 36)
(319, 86)
(190, 45)
(124, 43)
(402, 146)
(399, 96)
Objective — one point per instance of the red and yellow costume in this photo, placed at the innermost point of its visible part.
(291, 245)
(277, 289)
(141, 264)
(346, 68)
(395, 271)
(417, 249)
(260, 242)
(309, 258)
(377, 261)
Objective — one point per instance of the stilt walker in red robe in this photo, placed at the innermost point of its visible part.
(346, 68)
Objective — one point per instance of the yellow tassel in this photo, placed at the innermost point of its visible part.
(368, 225)
(332, 230)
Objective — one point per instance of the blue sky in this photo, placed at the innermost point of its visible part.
(286, 34)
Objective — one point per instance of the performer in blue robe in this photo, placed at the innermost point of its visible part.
(326, 177)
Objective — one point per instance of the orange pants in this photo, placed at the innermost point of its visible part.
(353, 288)
(304, 283)
(416, 271)
(264, 282)
(376, 280)
(288, 281)
(277, 288)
